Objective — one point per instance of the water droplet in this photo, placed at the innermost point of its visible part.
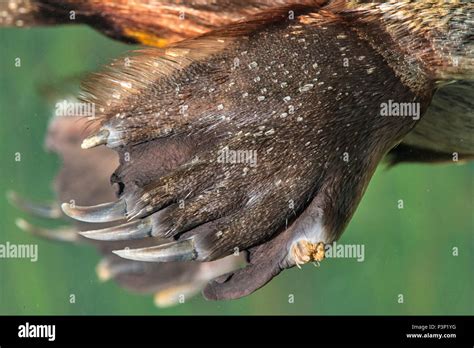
(306, 87)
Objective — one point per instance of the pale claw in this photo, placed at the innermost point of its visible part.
(49, 211)
(105, 212)
(95, 140)
(107, 270)
(62, 234)
(182, 250)
(131, 230)
(177, 294)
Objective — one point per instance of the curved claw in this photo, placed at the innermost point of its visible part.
(107, 270)
(182, 250)
(105, 212)
(173, 295)
(62, 234)
(49, 211)
(95, 140)
(130, 230)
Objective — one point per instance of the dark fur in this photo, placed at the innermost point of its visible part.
(306, 171)
(333, 110)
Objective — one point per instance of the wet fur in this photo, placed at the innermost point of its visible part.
(305, 170)
(173, 156)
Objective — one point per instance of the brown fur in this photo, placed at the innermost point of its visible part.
(293, 100)
(153, 23)
(371, 134)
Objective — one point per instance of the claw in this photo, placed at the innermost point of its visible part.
(63, 234)
(170, 252)
(130, 230)
(105, 212)
(176, 294)
(107, 270)
(49, 211)
(95, 140)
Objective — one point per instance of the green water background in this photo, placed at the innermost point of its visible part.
(407, 251)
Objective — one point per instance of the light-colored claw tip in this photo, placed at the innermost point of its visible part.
(61, 234)
(132, 230)
(44, 210)
(88, 235)
(68, 210)
(175, 295)
(108, 269)
(182, 250)
(95, 140)
(103, 271)
(104, 212)
(22, 225)
(65, 207)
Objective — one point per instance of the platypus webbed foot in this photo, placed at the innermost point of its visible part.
(84, 179)
(259, 137)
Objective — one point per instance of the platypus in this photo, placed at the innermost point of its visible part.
(257, 127)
